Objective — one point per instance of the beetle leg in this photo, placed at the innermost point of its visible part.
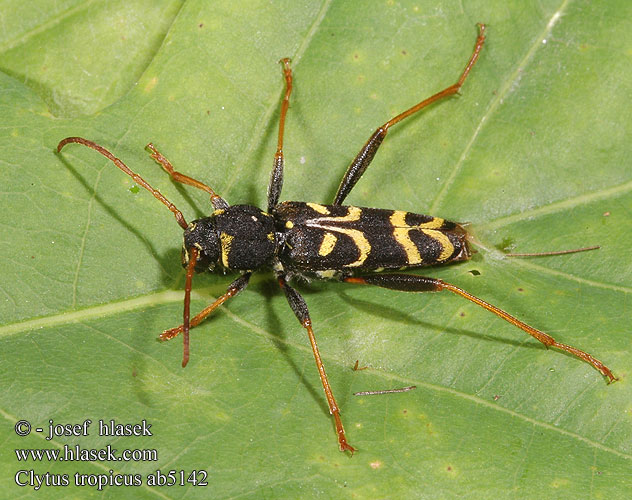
(276, 178)
(233, 289)
(298, 305)
(361, 162)
(414, 283)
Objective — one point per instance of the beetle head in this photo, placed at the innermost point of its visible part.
(202, 235)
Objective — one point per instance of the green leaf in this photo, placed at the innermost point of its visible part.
(535, 153)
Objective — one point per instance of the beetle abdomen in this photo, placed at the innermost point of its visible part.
(338, 237)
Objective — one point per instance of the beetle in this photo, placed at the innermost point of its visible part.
(309, 240)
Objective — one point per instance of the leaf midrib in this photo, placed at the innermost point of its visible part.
(171, 296)
(558, 206)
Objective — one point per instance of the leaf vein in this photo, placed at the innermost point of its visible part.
(510, 85)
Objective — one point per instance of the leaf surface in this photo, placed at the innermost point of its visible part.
(534, 153)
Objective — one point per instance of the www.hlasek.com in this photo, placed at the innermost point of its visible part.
(76, 453)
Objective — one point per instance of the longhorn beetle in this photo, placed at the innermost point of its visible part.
(339, 242)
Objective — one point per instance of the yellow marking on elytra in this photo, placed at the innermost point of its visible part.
(401, 234)
(318, 208)
(327, 274)
(328, 244)
(398, 219)
(226, 240)
(446, 245)
(360, 241)
(289, 224)
(435, 223)
(270, 236)
(353, 214)
(219, 211)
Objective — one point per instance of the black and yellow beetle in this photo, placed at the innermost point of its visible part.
(338, 242)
